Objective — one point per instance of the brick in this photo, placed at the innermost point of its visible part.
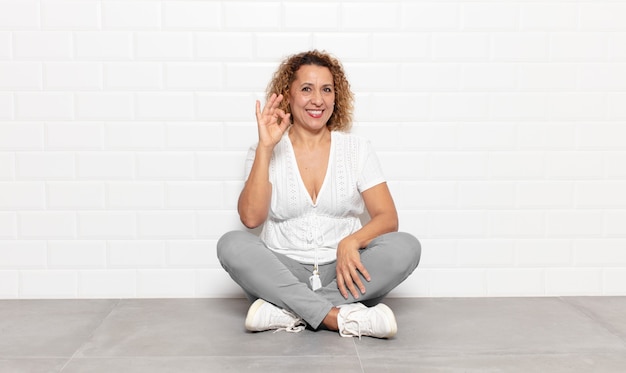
(486, 195)
(490, 77)
(8, 224)
(22, 254)
(45, 165)
(135, 195)
(545, 195)
(461, 46)
(192, 254)
(548, 77)
(226, 106)
(191, 15)
(601, 136)
(106, 225)
(615, 221)
(164, 45)
(76, 254)
(425, 195)
(430, 16)
(231, 165)
(47, 225)
(47, 284)
(7, 166)
(103, 165)
(394, 165)
(439, 253)
(22, 136)
(136, 254)
(516, 224)
(6, 45)
(518, 106)
(602, 77)
(458, 165)
(160, 106)
(75, 196)
(133, 15)
(382, 135)
(605, 16)
(570, 281)
(454, 282)
(21, 75)
(543, 252)
(275, 46)
(526, 47)
(613, 281)
(165, 283)
(457, 224)
(373, 77)
(16, 15)
(617, 109)
(42, 45)
(404, 46)
(73, 136)
(103, 106)
(543, 136)
(9, 284)
(459, 106)
(579, 46)
(109, 45)
(249, 15)
(402, 107)
(44, 106)
(549, 16)
(370, 16)
(133, 75)
(107, 284)
(575, 165)
(75, 15)
(415, 285)
(430, 77)
(522, 165)
(311, 16)
(6, 106)
(615, 162)
(599, 253)
(480, 253)
(193, 76)
(196, 195)
(243, 77)
(132, 135)
(490, 16)
(232, 189)
(577, 106)
(518, 282)
(415, 222)
(170, 224)
(165, 165)
(194, 136)
(346, 46)
(574, 223)
(617, 47)
(73, 76)
(600, 194)
(223, 46)
(213, 224)
(486, 136)
(240, 136)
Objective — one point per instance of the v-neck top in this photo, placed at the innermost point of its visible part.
(299, 228)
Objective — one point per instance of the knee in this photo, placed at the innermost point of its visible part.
(228, 245)
(410, 248)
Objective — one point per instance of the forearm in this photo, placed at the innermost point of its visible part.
(378, 225)
(254, 200)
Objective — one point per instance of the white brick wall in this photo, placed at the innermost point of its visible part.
(124, 125)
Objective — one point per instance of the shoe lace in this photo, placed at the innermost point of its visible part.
(353, 325)
(295, 326)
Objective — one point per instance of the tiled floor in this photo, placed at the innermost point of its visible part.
(580, 334)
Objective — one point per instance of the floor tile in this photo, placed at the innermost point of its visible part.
(490, 325)
(610, 311)
(200, 327)
(31, 365)
(557, 363)
(342, 364)
(48, 328)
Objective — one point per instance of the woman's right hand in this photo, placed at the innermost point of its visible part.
(272, 122)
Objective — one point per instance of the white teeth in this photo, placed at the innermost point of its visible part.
(315, 112)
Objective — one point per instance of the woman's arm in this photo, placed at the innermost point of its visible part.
(383, 219)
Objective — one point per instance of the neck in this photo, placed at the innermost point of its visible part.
(301, 137)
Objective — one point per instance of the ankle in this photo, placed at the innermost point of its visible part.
(330, 321)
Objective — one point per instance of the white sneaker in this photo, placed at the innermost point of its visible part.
(266, 316)
(356, 320)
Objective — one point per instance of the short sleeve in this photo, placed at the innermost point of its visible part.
(370, 173)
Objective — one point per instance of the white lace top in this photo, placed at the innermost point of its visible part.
(295, 225)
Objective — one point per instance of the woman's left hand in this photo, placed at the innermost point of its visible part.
(348, 268)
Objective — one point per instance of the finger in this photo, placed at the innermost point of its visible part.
(351, 287)
(258, 109)
(268, 105)
(364, 272)
(341, 287)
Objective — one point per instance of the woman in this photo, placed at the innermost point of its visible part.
(308, 181)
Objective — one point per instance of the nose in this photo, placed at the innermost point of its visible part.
(316, 98)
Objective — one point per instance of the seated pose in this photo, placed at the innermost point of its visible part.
(308, 182)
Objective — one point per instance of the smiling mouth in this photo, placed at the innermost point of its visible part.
(315, 113)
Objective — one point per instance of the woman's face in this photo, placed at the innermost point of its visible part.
(312, 97)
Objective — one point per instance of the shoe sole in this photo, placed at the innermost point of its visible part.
(251, 312)
(391, 317)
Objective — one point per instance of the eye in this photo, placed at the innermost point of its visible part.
(328, 90)
(306, 89)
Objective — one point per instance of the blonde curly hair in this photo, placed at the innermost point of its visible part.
(341, 119)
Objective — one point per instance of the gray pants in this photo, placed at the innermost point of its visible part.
(284, 282)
